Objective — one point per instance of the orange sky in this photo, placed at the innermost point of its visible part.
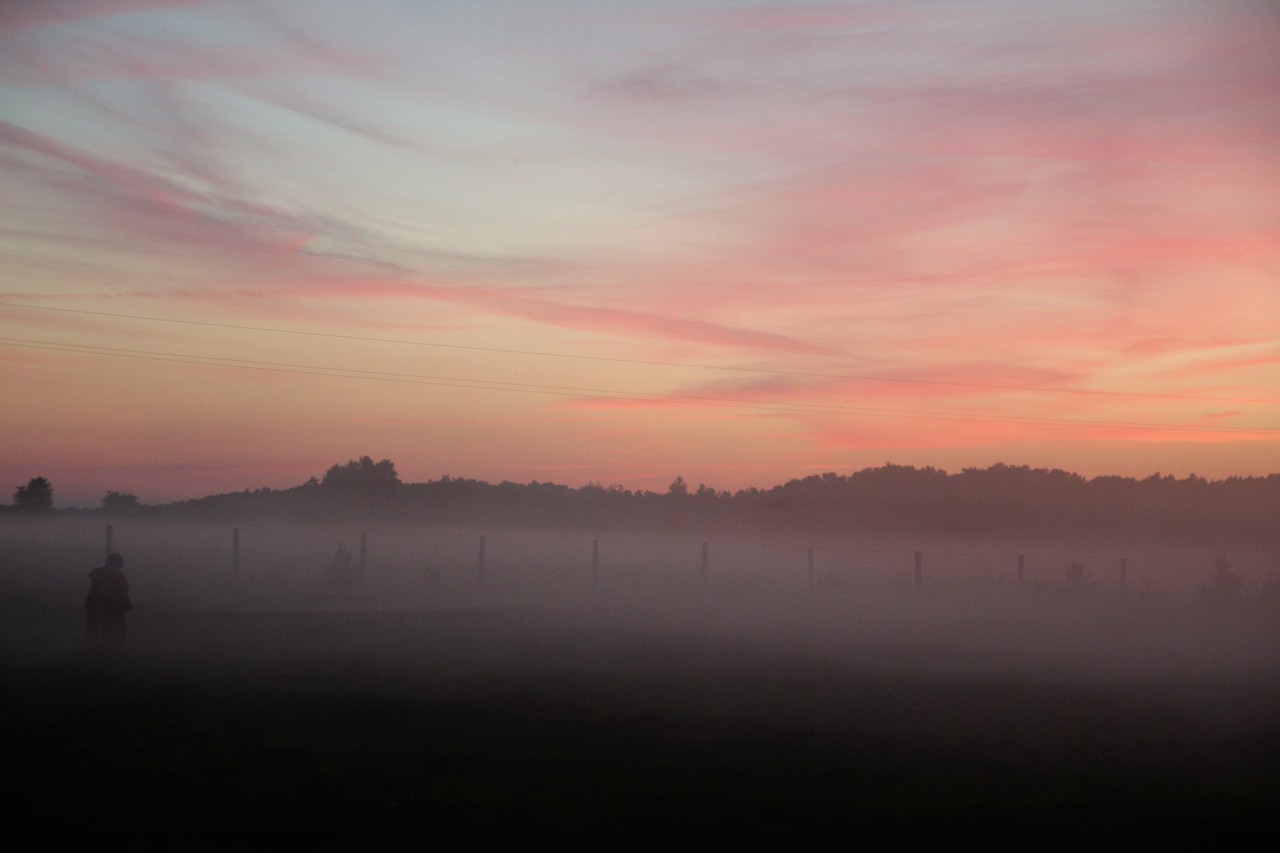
(597, 242)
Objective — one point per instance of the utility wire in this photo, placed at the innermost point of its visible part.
(604, 393)
(652, 363)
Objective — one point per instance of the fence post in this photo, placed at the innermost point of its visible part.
(918, 562)
(109, 548)
(235, 553)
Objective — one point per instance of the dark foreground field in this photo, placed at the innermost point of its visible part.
(1062, 722)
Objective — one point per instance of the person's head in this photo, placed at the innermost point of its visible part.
(115, 561)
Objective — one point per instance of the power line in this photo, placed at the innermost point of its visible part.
(649, 362)
(605, 393)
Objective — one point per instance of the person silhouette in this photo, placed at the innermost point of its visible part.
(106, 604)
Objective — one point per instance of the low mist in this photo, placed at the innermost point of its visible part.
(1032, 655)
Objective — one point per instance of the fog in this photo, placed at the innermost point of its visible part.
(1158, 675)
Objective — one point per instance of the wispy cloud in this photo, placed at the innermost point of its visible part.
(613, 321)
(927, 209)
(27, 14)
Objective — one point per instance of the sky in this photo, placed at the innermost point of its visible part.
(620, 242)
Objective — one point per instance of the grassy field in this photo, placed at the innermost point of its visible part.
(747, 721)
(757, 706)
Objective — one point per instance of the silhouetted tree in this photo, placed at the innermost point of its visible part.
(117, 503)
(678, 488)
(37, 494)
(363, 476)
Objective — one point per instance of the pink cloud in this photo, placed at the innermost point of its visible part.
(1229, 363)
(513, 303)
(953, 433)
(277, 304)
(160, 211)
(867, 415)
(20, 15)
(303, 297)
(165, 214)
(817, 17)
(274, 47)
(315, 109)
(109, 61)
(663, 84)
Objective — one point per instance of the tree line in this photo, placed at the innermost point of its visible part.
(1001, 500)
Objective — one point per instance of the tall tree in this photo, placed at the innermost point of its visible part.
(37, 494)
(363, 476)
(117, 503)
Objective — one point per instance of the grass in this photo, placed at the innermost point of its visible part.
(535, 727)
